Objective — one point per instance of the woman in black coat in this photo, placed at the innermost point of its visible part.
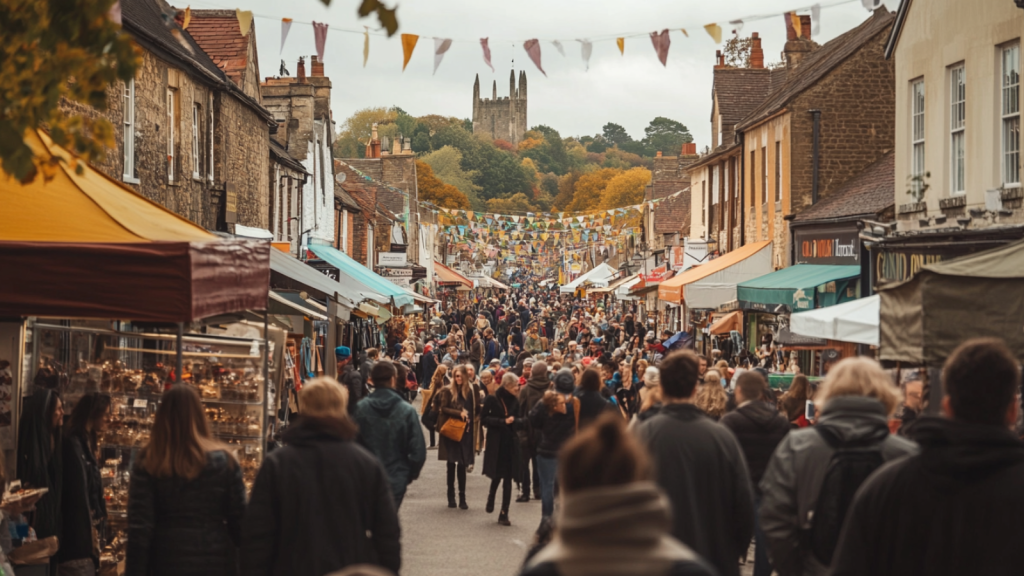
(40, 456)
(501, 457)
(457, 400)
(186, 498)
(82, 504)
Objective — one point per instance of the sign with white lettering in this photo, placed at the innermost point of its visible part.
(827, 246)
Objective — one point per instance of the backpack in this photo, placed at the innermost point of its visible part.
(849, 467)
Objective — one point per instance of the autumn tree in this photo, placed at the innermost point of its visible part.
(446, 163)
(737, 52)
(515, 203)
(433, 190)
(566, 187)
(589, 189)
(357, 129)
(625, 189)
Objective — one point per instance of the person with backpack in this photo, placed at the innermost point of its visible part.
(957, 507)
(814, 473)
(557, 418)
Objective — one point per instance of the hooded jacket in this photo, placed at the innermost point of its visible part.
(529, 395)
(390, 428)
(319, 504)
(759, 428)
(700, 466)
(796, 470)
(955, 508)
(40, 460)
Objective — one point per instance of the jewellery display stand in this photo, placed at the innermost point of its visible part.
(134, 369)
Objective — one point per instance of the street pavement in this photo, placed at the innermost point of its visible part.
(442, 541)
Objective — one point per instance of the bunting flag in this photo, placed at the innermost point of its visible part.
(661, 43)
(487, 52)
(532, 47)
(586, 48)
(558, 46)
(244, 20)
(441, 45)
(621, 43)
(737, 26)
(408, 45)
(815, 20)
(795, 21)
(114, 14)
(286, 25)
(715, 31)
(683, 30)
(187, 18)
(320, 35)
(366, 45)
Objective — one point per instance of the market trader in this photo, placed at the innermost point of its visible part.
(349, 377)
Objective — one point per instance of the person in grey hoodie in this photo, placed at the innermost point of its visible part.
(856, 401)
(390, 428)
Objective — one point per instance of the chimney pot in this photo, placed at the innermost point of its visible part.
(316, 67)
(689, 148)
(805, 27)
(300, 73)
(658, 154)
(756, 53)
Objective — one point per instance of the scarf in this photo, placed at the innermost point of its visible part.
(614, 531)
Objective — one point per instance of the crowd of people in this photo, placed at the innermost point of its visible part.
(645, 460)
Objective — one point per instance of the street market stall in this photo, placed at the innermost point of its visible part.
(598, 276)
(855, 321)
(802, 287)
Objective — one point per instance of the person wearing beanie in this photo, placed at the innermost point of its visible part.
(349, 377)
(556, 418)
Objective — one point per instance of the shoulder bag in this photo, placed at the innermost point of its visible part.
(453, 429)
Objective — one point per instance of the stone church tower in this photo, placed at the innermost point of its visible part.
(502, 118)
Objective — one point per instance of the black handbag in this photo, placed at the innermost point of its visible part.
(429, 418)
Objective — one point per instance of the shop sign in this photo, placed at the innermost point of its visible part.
(655, 276)
(403, 248)
(325, 269)
(900, 266)
(395, 272)
(690, 254)
(403, 282)
(392, 259)
(835, 246)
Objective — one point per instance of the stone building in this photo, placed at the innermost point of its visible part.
(362, 210)
(957, 166)
(301, 107)
(669, 221)
(187, 135)
(501, 118)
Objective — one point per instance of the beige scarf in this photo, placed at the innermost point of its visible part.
(614, 531)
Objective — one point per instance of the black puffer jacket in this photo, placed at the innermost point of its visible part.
(320, 503)
(178, 526)
(759, 427)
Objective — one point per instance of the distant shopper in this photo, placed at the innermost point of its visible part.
(82, 503)
(794, 402)
(349, 377)
(186, 498)
(457, 400)
(711, 397)
(614, 520)
(40, 456)
(530, 393)
(500, 416)
(759, 428)
(556, 418)
(812, 476)
(957, 507)
(390, 428)
(592, 403)
(322, 502)
(701, 466)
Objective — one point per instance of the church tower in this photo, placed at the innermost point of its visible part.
(501, 118)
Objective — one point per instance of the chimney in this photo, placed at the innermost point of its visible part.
(719, 60)
(373, 146)
(805, 27)
(407, 146)
(300, 74)
(687, 156)
(797, 45)
(689, 149)
(658, 154)
(396, 147)
(756, 53)
(316, 67)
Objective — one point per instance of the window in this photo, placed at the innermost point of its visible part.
(196, 114)
(957, 111)
(917, 133)
(344, 231)
(369, 247)
(129, 132)
(764, 174)
(1011, 115)
(778, 172)
(753, 177)
(209, 160)
(170, 134)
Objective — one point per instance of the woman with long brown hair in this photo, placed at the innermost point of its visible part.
(793, 403)
(457, 400)
(186, 498)
(711, 397)
(82, 506)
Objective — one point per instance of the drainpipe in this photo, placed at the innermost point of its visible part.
(816, 118)
(743, 197)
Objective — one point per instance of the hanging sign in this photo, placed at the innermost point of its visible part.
(392, 259)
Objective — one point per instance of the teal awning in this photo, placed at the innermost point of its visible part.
(363, 275)
(803, 287)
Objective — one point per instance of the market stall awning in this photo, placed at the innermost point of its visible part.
(855, 321)
(488, 282)
(82, 245)
(350, 270)
(288, 272)
(711, 284)
(445, 276)
(615, 285)
(291, 305)
(802, 287)
(600, 276)
(727, 323)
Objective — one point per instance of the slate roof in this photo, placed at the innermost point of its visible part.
(739, 91)
(150, 23)
(670, 215)
(866, 194)
(282, 156)
(818, 63)
(218, 34)
(386, 199)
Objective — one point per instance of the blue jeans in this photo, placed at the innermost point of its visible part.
(762, 565)
(548, 468)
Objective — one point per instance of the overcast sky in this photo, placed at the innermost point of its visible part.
(629, 89)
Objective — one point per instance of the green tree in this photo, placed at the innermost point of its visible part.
(432, 189)
(625, 189)
(666, 136)
(737, 52)
(614, 134)
(356, 130)
(446, 162)
(549, 184)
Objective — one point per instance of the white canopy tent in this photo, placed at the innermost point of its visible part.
(599, 276)
(855, 321)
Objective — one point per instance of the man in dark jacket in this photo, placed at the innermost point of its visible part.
(349, 377)
(529, 395)
(700, 466)
(492, 350)
(322, 502)
(554, 417)
(390, 428)
(759, 428)
(957, 507)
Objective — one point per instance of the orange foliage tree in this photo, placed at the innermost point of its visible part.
(432, 189)
(589, 188)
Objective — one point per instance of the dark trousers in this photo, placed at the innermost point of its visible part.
(433, 438)
(762, 564)
(526, 475)
(506, 491)
(453, 471)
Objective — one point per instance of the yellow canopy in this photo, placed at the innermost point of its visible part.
(86, 207)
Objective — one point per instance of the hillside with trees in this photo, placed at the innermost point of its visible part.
(545, 172)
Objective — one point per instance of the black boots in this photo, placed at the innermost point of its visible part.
(490, 503)
(503, 518)
(524, 497)
(462, 501)
(451, 497)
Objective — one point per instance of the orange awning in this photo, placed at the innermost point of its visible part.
(728, 322)
(718, 277)
(448, 277)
